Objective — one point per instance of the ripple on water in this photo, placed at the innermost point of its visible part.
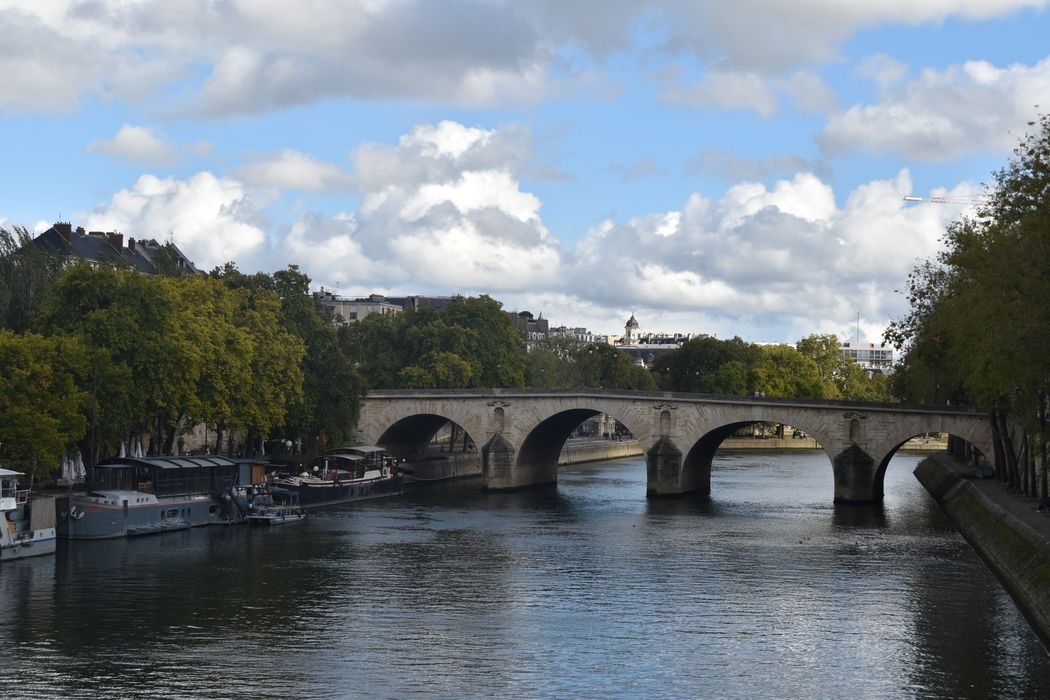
(764, 589)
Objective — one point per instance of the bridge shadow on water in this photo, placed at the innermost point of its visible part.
(853, 516)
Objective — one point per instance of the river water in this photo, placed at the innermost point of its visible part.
(765, 590)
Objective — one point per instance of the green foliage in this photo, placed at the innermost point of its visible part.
(121, 320)
(603, 366)
(27, 272)
(842, 378)
(169, 352)
(709, 366)
(783, 371)
(435, 346)
(41, 406)
(327, 407)
(978, 326)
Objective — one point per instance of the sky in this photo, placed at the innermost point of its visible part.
(734, 169)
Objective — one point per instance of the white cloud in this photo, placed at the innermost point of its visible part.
(136, 144)
(755, 91)
(293, 170)
(728, 90)
(213, 220)
(785, 259)
(883, 69)
(446, 214)
(942, 114)
(731, 166)
(242, 57)
(440, 210)
(139, 145)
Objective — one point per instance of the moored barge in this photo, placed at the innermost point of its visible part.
(341, 475)
(146, 495)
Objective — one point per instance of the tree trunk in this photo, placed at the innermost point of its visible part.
(1001, 471)
(219, 429)
(1012, 461)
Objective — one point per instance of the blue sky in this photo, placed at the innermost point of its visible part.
(724, 168)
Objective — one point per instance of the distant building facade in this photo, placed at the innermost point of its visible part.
(533, 330)
(581, 334)
(873, 359)
(343, 311)
(646, 348)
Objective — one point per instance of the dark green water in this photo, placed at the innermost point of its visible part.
(765, 590)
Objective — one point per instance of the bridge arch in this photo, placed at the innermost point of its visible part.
(700, 446)
(977, 434)
(406, 431)
(533, 450)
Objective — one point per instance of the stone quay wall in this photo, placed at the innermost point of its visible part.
(1004, 528)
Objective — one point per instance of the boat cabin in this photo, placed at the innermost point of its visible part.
(11, 496)
(165, 476)
(354, 460)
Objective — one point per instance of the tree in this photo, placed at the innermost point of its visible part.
(27, 272)
(493, 346)
(122, 321)
(785, 372)
(438, 370)
(552, 363)
(977, 329)
(709, 365)
(328, 405)
(41, 406)
(476, 330)
(842, 377)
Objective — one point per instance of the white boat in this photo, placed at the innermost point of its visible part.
(276, 514)
(28, 523)
(264, 509)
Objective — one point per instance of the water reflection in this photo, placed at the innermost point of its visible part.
(763, 589)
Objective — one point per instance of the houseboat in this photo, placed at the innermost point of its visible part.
(341, 475)
(146, 495)
(28, 523)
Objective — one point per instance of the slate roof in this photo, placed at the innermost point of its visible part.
(109, 249)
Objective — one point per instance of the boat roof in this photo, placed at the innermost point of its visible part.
(8, 472)
(342, 454)
(168, 462)
(357, 449)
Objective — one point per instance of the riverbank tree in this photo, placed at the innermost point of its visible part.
(326, 410)
(164, 353)
(978, 325)
(42, 405)
(27, 272)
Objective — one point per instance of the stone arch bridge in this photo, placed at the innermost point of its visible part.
(521, 432)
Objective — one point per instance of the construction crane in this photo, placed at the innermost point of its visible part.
(973, 199)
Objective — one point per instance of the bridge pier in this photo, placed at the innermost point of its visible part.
(855, 480)
(501, 469)
(668, 475)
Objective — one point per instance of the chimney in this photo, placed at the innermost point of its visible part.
(80, 230)
(65, 229)
(116, 240)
